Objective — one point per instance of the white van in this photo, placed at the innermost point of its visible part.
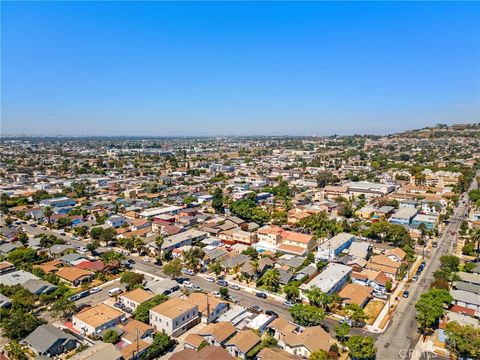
(114, 291)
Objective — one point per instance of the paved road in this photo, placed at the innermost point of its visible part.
(402, 333)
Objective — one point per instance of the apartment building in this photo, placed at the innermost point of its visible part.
(174, 316)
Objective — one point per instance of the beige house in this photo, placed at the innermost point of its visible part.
(97, 319)
(242, 343)
(135, 297)
(174, 316)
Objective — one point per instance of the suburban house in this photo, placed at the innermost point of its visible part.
(239, 345)
(96, 319)
(403, 216)
(99, 351)
(116, 221)
(74, 276)
(218, 334)
(135, 297)
(47, 340)
(385, 264)
(296, 243)
(174, 316)
(356, 294)
(304, 343)
(209, 307)
(206, 353)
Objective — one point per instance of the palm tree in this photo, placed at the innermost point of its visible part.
(271, 280)
(48, 212)
(16, 351)
(318, 298)
(159, 240)
(475, 236)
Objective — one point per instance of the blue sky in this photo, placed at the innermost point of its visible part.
(219, 68)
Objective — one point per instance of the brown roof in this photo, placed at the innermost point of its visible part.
(385, 261)
(132, 328)
(244, 340)
(194, 339)
(221, 331)
(174, 307)
(201, 300)
(275, 354)
(207, 353)
(399, 253)
(99, 315)
(355, 294)
(72, 273)
(313, 338)
(138, 295)
(130, 351)
(282, 325)
(5, 265)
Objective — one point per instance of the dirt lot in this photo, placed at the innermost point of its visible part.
(372, 309)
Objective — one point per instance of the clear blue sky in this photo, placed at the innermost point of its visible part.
(314, 68)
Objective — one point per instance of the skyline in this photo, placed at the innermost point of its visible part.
(217, 69)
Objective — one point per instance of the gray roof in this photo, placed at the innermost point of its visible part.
(70, 258)
(233, 261)
(294, 262)
(9, 247)
(38, 287)
(216, 253)
(473, 288)
(59, 248)
(466, 297)
(18, 277)
(285, 276)
(44, 336)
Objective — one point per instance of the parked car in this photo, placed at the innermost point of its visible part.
(210, 279)
(217, 294)
(406, 294)
(235, 287)
(146, 259)
(287, 304)
(380, 295)
(131, 261)
(255, 309)
(128, 310)
(187, 284)
(325, 327)
(271, 313)
(95, 290)
(196, 288)
(233, 299)
(188, 272)
(261, 295)
(118, 305)
(222, 283)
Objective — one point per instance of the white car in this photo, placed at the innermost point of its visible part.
(235, 287)
(217, 294)
(187, 284)
(210, 279)
(146, 259)
(95, 290)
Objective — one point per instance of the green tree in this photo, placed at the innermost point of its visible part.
(16, 351)
(318, 298)
(223, 292)
(270, 280)
(142, 310)
(193, 257)
(20, 324)
(23, 238)
(161, 343)
(217, 201)
(319, 355)
(96, 232)
(252, 252)
(48, 212)
(355, 312)
(342, 330)
(361, 347)
(110, 257)
(291, 291)
(307, 315)
(173, 268)
(463, 341)
(159, 240)
(215, 267)
(132, 279)
(430, 307)
(63, 307)
(111, 336)
(449, 263)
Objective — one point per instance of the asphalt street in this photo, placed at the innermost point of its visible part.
(402, 332)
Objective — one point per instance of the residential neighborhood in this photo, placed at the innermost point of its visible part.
(291, 248)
